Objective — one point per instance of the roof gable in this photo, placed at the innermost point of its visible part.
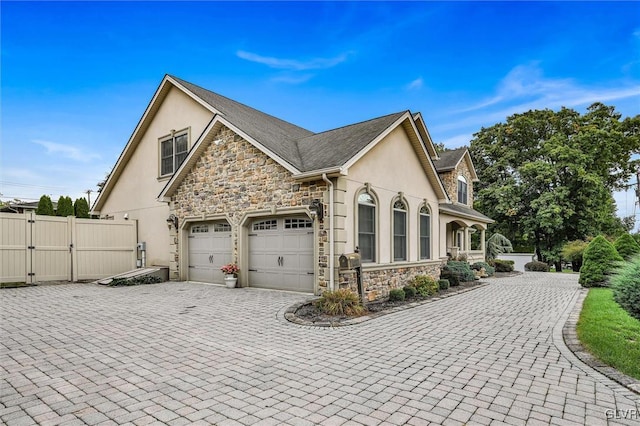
(450, 159)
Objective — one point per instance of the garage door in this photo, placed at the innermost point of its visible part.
(281, 254)
(209, 249)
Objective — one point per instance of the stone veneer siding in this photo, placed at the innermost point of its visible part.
(377, 283)
(450, 182)
(234, 178)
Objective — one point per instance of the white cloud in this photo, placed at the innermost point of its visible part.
(291, 79)
(66, 151)
(293, 64)
(525, 87)
(416, 84)
(457, 141)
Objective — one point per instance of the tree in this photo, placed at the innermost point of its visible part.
(546, 179)
(600, 259)
(65, 206)
(45, 206)
(81, 207)
(573, 251)
(496, 245)
(626, 246)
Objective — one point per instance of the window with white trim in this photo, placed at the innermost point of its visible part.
(199, 229)
(367, 227)
(462, 190)
(399, 231)
(221, 227)
(425, 233)
(297, 223)
(265, 225)
(173, 151)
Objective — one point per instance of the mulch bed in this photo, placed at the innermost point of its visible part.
(306, 313)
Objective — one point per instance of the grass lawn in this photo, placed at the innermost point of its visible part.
(609, 332)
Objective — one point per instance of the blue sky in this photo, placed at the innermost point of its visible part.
(76, 77)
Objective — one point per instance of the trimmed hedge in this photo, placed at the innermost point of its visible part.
(409, 291)
(443, 284)
(598, 262)
(396, 295)
(503, 265)
(625, 283)
(626, 246)
(536, 266)
(425, 285)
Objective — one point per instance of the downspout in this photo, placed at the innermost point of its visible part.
(331, 244)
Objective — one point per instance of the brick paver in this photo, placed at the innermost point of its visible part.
(185, 353)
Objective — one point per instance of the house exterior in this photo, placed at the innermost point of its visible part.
(283, 202)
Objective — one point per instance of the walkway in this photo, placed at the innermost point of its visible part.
(183, 353)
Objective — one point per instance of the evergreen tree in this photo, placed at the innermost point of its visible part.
(81, 208)
(599, 260)
(65, 206)
(626, 246)
(45, 206)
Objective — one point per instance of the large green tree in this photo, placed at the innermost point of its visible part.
(546, 177)
(65, 206)
(81, 208)
(45, 206)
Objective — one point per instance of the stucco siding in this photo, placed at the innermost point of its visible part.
(389, 168)
(136, 190)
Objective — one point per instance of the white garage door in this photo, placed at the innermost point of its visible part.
(281, 254)
(209, 249)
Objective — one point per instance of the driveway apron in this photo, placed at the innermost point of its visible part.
(187, 353)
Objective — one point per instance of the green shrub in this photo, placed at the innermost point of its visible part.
(396, 295)
(463, 269)
(45, 206)
(599, 260)
(409, 291)
(448, 274)
(572, 252)
(443, 284)
(123, 282)
(626, 246)
(496, 245)
(425, 285)
(503, 265)
(625, 283)
(536, 266)
(490, 270)
(81, 208)
(340, 302)
(65, 207)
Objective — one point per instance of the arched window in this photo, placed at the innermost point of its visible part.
(462, 190)
(425, 233)
(399, 231)
(367, 227)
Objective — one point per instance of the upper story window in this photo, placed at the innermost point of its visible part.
(367, 227)
(399, 231)
(425, 233)
(462, 190)
(173, 151)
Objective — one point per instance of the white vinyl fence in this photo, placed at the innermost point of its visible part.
(37, 248)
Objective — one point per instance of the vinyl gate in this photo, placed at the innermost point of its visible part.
(37, 248)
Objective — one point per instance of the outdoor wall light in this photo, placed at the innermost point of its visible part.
(172, 220)
(317, 209)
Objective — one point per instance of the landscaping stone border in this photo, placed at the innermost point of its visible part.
(570, 337)
(290, 312)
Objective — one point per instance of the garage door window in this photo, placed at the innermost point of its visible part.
(297, 223)
(221, 227)
(265, 225)
(199, 229)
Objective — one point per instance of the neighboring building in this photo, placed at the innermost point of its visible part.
(284, 202)
(23, 206)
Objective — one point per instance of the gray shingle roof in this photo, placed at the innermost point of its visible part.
(303, 149)
(449, 159)
(275, 134)
(335, 147)
(459, 209)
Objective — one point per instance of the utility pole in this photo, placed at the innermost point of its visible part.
(89, 191)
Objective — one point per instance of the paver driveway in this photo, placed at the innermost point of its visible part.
(185, 353)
